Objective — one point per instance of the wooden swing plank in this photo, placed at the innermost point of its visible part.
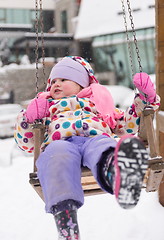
(160, 120)
(38, 190)
(155, 176)
(160, 124)
(161, 192)
(155, 170)
(89, 184)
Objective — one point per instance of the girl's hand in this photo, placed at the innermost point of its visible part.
(145, 86)
(37, 109)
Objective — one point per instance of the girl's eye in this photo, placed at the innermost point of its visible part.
(61, 80)
(53, 81)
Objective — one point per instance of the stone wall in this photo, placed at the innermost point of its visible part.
(22, 80)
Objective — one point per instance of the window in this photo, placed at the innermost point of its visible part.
(111, 54)
(2, 15)
(18, 16)
(14, 16)
(64, 22)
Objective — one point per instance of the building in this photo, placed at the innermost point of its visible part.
(66, 17)
(95, 31)
(66, 12)
(18, 31)
(102, 23)
(18, 38)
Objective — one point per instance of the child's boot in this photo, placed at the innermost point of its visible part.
(130, 163)
(67, 225)
(126, 169)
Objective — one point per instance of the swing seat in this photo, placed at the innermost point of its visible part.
(89, 184)
(153, 176)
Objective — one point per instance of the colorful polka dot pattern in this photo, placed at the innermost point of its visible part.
(23, 134)
(72, 116)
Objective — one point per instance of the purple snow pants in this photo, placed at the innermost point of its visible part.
(59, 166)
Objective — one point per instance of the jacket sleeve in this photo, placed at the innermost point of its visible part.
(130, 121)
(23, 133)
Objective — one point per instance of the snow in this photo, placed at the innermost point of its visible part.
(23, 215)
(123, 99)
(101, 17)
(13, 67)
(15, 25)
(161, 113)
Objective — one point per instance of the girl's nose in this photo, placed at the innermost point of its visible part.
(57, 83)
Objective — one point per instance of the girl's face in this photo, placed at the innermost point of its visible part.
(64, 88)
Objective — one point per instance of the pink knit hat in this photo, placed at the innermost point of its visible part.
(73, 68)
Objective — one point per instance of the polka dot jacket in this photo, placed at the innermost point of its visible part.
(74, 116)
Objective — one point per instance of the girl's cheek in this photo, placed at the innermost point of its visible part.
(67, 86)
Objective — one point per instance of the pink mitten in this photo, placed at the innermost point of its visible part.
(145, 86)
(37, 109)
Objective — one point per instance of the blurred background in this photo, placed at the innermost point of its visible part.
(35, 35)
(95, 31)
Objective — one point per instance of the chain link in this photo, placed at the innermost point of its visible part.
(37, 43)
(127, 37)
(42, 39)
(39, 23)
(134, 35)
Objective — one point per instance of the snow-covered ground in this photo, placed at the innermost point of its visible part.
(22, 215)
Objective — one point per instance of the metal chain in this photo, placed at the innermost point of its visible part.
(127, 37)
(37, 43)
(134, 35)
(39, 19)
(42, 40)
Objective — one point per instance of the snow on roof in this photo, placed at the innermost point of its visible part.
(104, 17)
(29, 4)
(50, 35)
(15, 25)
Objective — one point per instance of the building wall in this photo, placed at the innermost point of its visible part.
(71, 7)
(26, 4)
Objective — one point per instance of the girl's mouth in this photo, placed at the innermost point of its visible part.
(57, 90)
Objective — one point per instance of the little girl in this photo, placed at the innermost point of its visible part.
(83, 128)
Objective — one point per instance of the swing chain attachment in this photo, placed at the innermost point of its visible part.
(39, 22)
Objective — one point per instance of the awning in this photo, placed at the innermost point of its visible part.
(13, 30)
(50, 40)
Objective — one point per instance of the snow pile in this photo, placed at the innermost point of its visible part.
(23, 216)
(14, 66)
